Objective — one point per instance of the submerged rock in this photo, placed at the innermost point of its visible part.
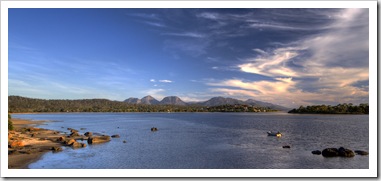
(360, 152)
(316, 152)
(115, 136)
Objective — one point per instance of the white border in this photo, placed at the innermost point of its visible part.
(371, 172)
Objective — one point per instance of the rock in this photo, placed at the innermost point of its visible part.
(32, 129)
(153, 129)
(61, 139)
(124, 141)
(69, 142)
(115, 136)
(88, 134)
(330, 152)
(17, 144)
(12, 152)
(343, 152)
(360, 152)
(56, 149)
(74, 134)
(286, 146)
(73, 131)
(316, 152)
(82, 128)
(98, 139)
(76, 145)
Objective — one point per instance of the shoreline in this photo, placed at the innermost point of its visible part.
(27, 143)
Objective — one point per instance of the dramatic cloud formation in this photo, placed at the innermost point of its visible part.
(330, 63)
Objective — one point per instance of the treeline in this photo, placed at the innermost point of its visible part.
(339, 109)
(238, 108)
(17, 104)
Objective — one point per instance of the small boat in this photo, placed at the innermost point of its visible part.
(277, 134)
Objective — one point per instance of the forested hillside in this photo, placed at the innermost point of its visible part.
(339, 109)
(17, 104)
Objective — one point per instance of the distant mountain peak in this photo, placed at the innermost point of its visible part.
(132, 100)
(149, 100)
(214, 101)
(172, 100)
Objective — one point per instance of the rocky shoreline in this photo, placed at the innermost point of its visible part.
(26, 143)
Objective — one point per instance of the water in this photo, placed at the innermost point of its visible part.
(208, 140)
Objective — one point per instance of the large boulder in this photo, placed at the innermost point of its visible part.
(343, 152)
(98, 139)
(330, 152)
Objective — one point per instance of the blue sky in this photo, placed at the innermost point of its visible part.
(289, 57)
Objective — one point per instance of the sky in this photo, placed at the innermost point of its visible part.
(289, 57)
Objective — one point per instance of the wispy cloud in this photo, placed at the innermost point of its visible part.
(166, 81)
(209, 15)
(150, 16)
(191, 47)
(157, 24)
(186, 34)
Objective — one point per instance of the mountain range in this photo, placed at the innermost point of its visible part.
(215, 101)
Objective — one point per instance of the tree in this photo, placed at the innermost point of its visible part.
(10, 124)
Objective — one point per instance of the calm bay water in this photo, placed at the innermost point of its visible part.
(208, 140)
